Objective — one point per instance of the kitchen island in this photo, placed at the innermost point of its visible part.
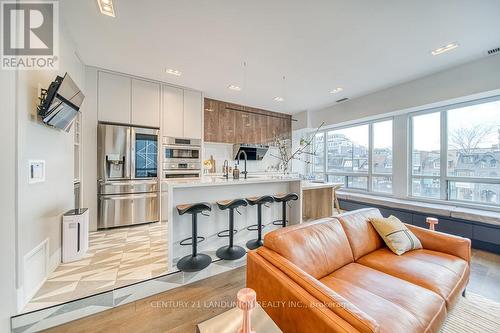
(213, 189)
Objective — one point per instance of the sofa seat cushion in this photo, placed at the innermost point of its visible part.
(442, 273)
(395, 304)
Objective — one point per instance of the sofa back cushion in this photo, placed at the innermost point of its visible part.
(318, 248)
(362, 236)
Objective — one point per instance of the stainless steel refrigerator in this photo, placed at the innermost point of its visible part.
(128, 175)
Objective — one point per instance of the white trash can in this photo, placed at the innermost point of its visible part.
(75, 235)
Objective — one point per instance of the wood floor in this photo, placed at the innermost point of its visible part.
(180, 309)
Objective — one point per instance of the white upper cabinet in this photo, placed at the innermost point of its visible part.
(173, 112)
(145, 103)
(113, 98)
(193, 114)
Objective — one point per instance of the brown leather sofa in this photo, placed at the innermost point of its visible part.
(337, 275)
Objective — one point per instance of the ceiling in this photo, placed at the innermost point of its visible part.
(361, 46)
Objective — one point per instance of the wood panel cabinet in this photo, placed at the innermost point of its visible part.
(113, 98)
(232, 123)
(211, 120)
(227, 124)
(145, 103)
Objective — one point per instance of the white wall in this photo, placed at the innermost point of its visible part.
(42, 205)
(89, 146)
(8, 200)
(476, 77)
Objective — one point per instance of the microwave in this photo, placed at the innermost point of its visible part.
(178, 155)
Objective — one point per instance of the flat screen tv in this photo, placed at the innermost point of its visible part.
(60, 103)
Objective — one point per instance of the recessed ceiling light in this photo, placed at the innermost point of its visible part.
(234, 87)
(279, 99)
(106, 7)
(336, 90)
(173, 72)
(443, 49)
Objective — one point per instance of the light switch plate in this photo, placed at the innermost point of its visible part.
(36, 172)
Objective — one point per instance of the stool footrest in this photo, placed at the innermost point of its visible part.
(255, 227)
(221, 233)
(279, 222)
(189, 240)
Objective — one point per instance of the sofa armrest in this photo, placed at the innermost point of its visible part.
(441, 242)
(328, 298)
(291, 307)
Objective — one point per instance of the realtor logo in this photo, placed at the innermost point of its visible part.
(30, 34)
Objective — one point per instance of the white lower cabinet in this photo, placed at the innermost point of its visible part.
(164, 204)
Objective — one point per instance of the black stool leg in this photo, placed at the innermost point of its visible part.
(194, 233)
(284, 213)
(255, 243)
(231, 252)
(194, 262)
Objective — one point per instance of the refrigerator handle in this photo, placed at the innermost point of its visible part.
(132, 152)
(128, 154)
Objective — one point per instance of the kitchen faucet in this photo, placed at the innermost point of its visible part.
(238, 157)
(225, 169)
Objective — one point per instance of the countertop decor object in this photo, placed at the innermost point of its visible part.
(301, 153)
(246, 300)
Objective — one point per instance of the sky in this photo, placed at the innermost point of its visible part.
(426, 127)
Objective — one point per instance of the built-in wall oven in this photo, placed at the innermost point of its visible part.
(181, 158)
(128, 175)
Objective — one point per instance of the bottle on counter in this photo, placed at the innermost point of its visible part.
(236, 172)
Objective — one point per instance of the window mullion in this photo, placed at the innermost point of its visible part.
(370, 156)
(443, 170)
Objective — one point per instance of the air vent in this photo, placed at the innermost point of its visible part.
(493, 51)
(342, 100)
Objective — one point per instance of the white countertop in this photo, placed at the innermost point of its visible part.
(310, 185)
(220, 181)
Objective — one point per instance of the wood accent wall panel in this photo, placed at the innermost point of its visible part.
(227, 125)
(233, 123)
(211, 116)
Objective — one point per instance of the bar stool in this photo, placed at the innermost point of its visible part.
(259, 201)
(231, 251)
(284, 198)
(196, 261)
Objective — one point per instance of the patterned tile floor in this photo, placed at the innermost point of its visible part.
(116, 257)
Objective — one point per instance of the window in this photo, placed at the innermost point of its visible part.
(426, 155)
(351, 160)
(453, 154)
(473, 140)
(347, 149)
(319, 152)
(382, 157)
(465, 139)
